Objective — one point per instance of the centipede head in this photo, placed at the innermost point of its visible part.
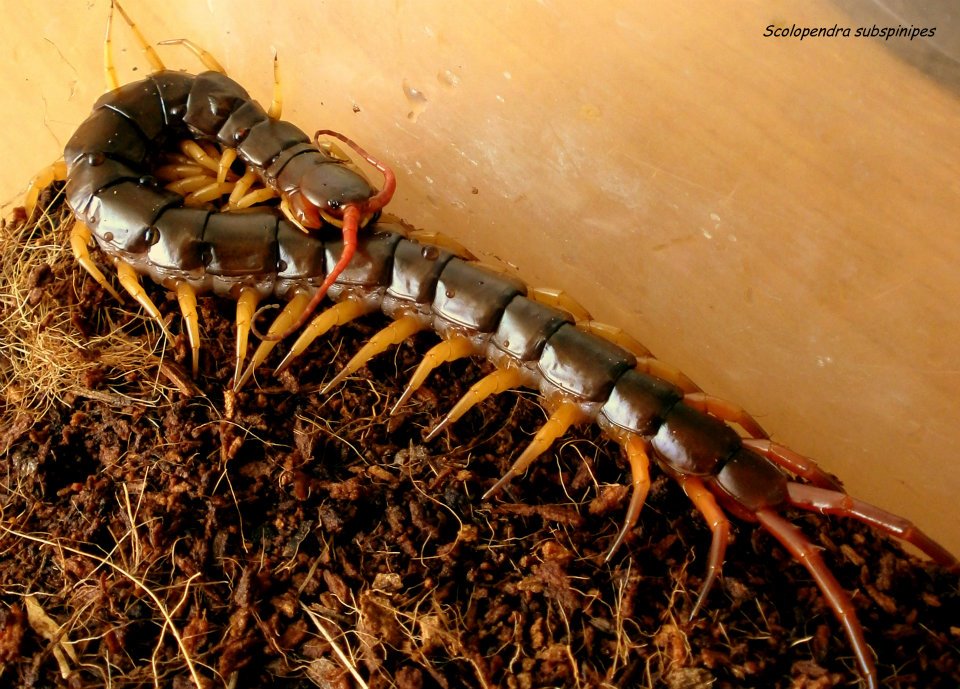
(337, 194)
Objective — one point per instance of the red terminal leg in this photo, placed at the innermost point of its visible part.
(806, 554)
(831, 502)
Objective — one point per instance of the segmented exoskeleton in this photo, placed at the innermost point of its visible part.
(586, 373)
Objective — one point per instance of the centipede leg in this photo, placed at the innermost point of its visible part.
(187, 297)
(719, 525)
(616, 336)
(827, 501)
(227, 159)
(338, 314)
(131, 282)
(246, 307)
(561, 300)
(276, 104)
(208, 60)
(640, 486)
(804, 552)
(56, 172)
(291, 312)
(654, 367)
(110, 69)
(195, 152)
(727, 411)
(499, 381)
(395, 333)
(566, 414)
(79, 242)
(795, 463)
(452, 349)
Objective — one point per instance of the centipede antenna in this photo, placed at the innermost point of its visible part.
(640, 486)
(802, 550)
(719, 525)
(452, 349)
(501, 380)
(290, 313)
(726, 411)
(276, 104)
(208, 60)
(395, 333)
(827, 501)
(246, 307)
(338, 314)
(131, 282)
(187, 298)
(155, 62)
(79, 242)
(566, 414)
(56, 172)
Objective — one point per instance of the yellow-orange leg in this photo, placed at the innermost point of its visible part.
(254, 197)
(567, 414)
(208, 60)
(654, 367)
(80, 236)
(55, 172)
(276, 104)
(208, 193)
(291, 312)
(195, 152)
(242, 187)
(227, 159)
(395, 333)
(109, 68)
(616, 336)
(640, 486)
(561, 300)
(131, 282)
(455, 348)
(499, 381)
(719, 525)
(338, 314)
(246, 307)
(187, 297)
(175, 172)
(725, 410)
(188, 185)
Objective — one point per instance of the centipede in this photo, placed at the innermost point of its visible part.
(186, 179)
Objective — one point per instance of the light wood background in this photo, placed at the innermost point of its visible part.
(776, 217)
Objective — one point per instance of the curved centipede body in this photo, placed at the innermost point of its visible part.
(586, 373)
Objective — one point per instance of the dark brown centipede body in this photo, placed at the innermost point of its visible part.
(133, 219)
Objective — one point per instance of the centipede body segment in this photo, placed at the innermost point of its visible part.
(167, 229)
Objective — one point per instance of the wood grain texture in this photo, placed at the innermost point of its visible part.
(776, 217)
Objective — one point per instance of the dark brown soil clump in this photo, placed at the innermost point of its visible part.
(157, 528)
